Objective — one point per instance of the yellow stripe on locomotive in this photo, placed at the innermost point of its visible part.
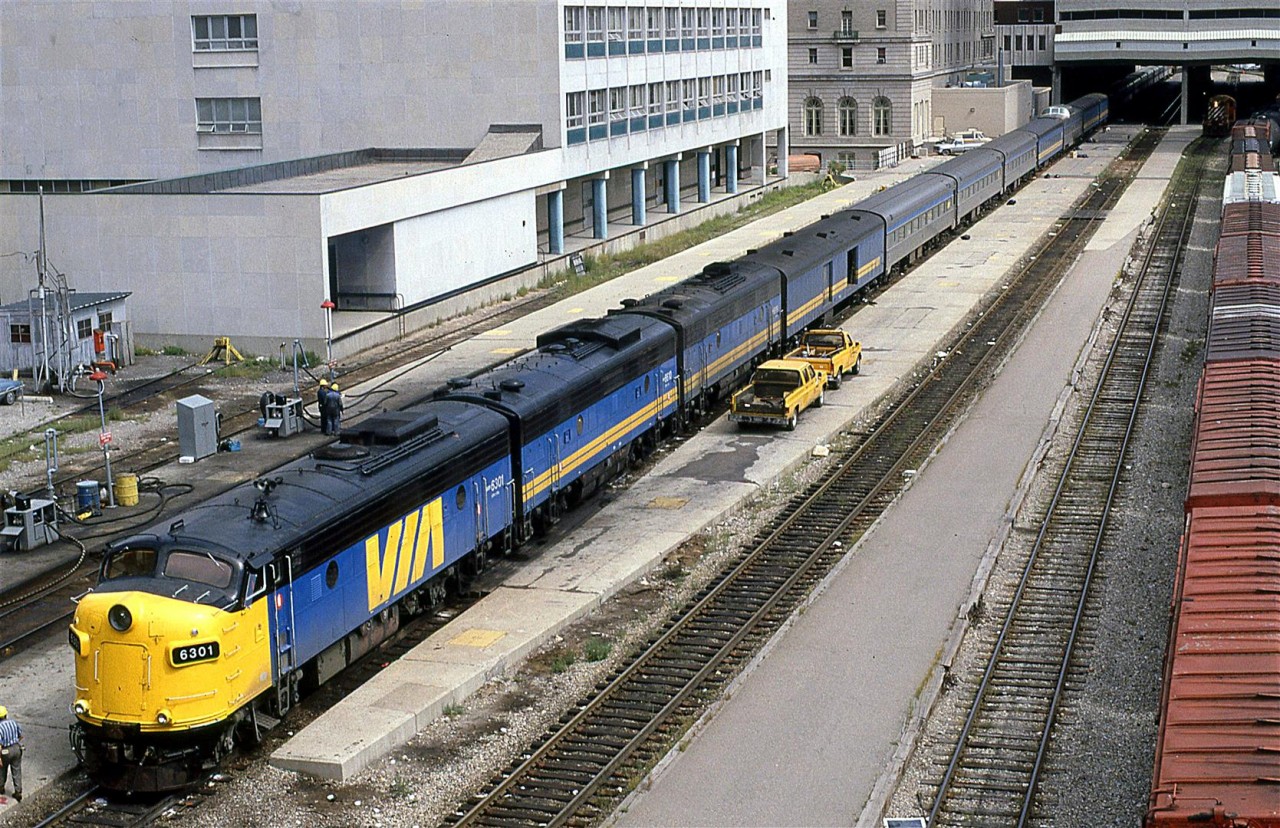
(166, 664)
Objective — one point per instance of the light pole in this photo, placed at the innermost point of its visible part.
(328, 333)
(104, 436)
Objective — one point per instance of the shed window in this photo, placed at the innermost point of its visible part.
(20, 334)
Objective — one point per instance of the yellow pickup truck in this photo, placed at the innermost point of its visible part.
(833, 352)
(780, 389)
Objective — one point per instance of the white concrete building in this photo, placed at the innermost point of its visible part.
(393, 157)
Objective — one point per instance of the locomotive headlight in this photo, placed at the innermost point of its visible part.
(81, 707)
(120, 618)
(164, 717)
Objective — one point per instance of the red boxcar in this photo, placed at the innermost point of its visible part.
(1218, 750)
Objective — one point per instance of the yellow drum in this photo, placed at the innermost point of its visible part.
(126, 490)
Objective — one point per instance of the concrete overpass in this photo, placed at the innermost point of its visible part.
(1190, 34)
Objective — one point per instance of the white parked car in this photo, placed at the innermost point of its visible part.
(965, 139)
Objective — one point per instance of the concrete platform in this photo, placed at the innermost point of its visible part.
(700, 481)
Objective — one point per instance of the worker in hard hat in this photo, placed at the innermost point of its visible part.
(322, 393)
(10, 753)
(333, 409)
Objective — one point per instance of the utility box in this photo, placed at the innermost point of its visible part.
(283, 417)
(197, 427)
(29, 523)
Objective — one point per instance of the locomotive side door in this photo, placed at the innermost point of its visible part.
(285, 637)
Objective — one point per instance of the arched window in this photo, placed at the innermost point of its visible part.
(848, 116)
(813, 116)
(881, 117)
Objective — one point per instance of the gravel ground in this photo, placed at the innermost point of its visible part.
(1105, 741)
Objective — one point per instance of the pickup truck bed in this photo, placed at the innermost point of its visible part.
(833, 352)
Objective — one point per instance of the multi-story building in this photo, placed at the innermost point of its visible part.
(1024, 39)
(236, 165)
(862, 72)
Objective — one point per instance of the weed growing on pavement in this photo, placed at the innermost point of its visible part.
(596, 649)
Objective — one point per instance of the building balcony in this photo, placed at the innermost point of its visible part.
(844, 35)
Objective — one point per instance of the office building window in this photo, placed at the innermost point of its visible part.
(673, 23)
(704, 22)
(617, 24)
(882, 18)
(882, 55)
(1042, 43)
(846, 22)
(574, 104)
(686, 23)
(846, 57)
(704, 92)
(635, 104)
(618, 103)
(221, 32)
(653, 22)
(732, 91)
(595, 23)
(731, 23)
(673, 96)
(595, 107)
(717, 22)
(572, 24)
(1017, 40)
(881, 116)
(813, 55)
(848, 116)
(1037, 15)
(813, 116)
(813, 20)
(757, 21)
(635, 24)
(655, 99)
(690, 98)
(1008, 43)
(229, 115)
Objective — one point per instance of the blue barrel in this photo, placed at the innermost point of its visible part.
(87, 496)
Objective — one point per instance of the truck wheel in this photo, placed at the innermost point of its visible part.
(857, 365)
(791, 422)
(837, 379)
(821, 400)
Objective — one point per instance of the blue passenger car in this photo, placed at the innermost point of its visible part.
(823, 265)
(726, 319)
(594, 394)
(1049, 134)
(914, 213)
(1018, 149)
(1095, 109)
(977, 176)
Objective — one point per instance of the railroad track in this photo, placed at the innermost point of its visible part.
(577, 773)
(994, 769)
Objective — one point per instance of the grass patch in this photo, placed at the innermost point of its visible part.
(143, 350)
(562, 660)
(400, 788)
(249, 369)
(173, 350)
(454, 710)
(596, 649)
(600, 269)
(30, 445)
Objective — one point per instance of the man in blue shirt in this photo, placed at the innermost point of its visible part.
(10, 753)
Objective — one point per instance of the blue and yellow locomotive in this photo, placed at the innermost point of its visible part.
(205, 629)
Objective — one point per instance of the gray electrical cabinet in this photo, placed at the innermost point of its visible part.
(197, 427)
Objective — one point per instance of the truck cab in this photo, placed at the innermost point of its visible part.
(780, 389)
(832, 351)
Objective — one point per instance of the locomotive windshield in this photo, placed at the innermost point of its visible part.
(195, 576)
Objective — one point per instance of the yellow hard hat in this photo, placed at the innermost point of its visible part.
(4, 712)
(335, 387)
(324, 382)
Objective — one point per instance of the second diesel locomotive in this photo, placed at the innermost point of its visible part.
(204, 629)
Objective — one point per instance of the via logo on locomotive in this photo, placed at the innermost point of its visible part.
(398, 554)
